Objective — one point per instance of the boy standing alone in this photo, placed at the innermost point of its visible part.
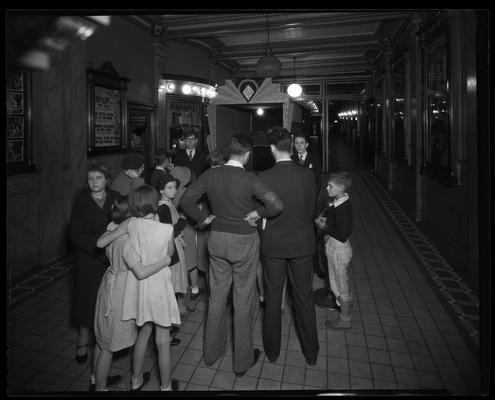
(336, 223)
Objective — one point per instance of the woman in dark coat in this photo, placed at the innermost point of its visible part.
(89, 219)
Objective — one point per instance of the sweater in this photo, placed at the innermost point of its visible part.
(339, 221)
(231, 192)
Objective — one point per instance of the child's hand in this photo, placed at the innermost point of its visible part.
(209, 219)
(251, 218)
(180, 239)
(321, 222)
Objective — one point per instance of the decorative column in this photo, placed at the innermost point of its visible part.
(415, 112)
(324, 135)
(160, 49)
(387, 115)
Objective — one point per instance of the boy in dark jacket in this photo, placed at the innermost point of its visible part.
(336, 223)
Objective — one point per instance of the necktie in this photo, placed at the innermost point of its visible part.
(301, 161)
(191, 155)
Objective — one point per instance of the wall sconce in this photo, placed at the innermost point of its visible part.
(31, 38)
(189, 88)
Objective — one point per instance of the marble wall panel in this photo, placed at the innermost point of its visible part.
(51, 159)
(22, 232)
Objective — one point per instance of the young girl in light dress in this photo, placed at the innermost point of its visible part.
(150, 301)
(168, 214)
(111, 332)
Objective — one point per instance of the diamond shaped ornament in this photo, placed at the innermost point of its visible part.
(248, 92)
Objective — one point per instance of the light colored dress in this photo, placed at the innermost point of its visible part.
(150, 299)
(111, 332)
(178, 270)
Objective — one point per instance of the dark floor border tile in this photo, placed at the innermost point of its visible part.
(471, 336)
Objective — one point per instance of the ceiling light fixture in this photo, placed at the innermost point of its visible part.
(268, 65)
(294, 90)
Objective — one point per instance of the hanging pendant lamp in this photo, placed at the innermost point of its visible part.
(294, 90)
(268, 65)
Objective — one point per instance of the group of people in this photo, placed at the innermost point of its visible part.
(239, 224)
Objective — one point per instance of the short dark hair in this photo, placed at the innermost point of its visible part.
(102, 169)
(143, 200)
(216, 157)
(163, 180)
(132, 161)
(301, 135)
(188, 132)
(120, 209)
(342, 178)
(281, 139)
(240, 144)
(162, 154)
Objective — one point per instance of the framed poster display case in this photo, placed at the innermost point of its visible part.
(398, 106)
(438, 135)
(18, 123)
(107, 110)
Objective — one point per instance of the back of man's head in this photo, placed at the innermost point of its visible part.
(240, 145)
(281, 139)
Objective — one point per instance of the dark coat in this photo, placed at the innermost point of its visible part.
(290, 234)
(197, 165)
(315, 163)
(87, 223)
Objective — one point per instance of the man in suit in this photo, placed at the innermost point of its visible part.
(287, 248)
(308, 160)
(233, 248)
(196, 161)
(191, 157)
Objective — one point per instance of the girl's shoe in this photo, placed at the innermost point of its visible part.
(111, 381)
(174, 385)
(146, 378)
(174, 341)
(81, 359)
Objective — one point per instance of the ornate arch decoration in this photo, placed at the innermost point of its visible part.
(248, 92)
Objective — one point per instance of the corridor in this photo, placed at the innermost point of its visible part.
(415, 324)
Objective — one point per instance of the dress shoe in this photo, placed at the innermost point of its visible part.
(271, 359)
(174, 341)
(311, 361)
(256, 353)
(146, 378)
(81, 359)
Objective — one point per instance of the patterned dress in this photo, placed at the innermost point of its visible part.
(151, 299)
(111, 332)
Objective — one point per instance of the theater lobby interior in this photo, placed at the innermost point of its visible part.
(420, 272)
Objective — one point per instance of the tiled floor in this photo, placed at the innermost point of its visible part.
(406, 337)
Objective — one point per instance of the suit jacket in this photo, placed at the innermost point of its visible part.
(313, 163)
(197, 165)
(291, 233)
